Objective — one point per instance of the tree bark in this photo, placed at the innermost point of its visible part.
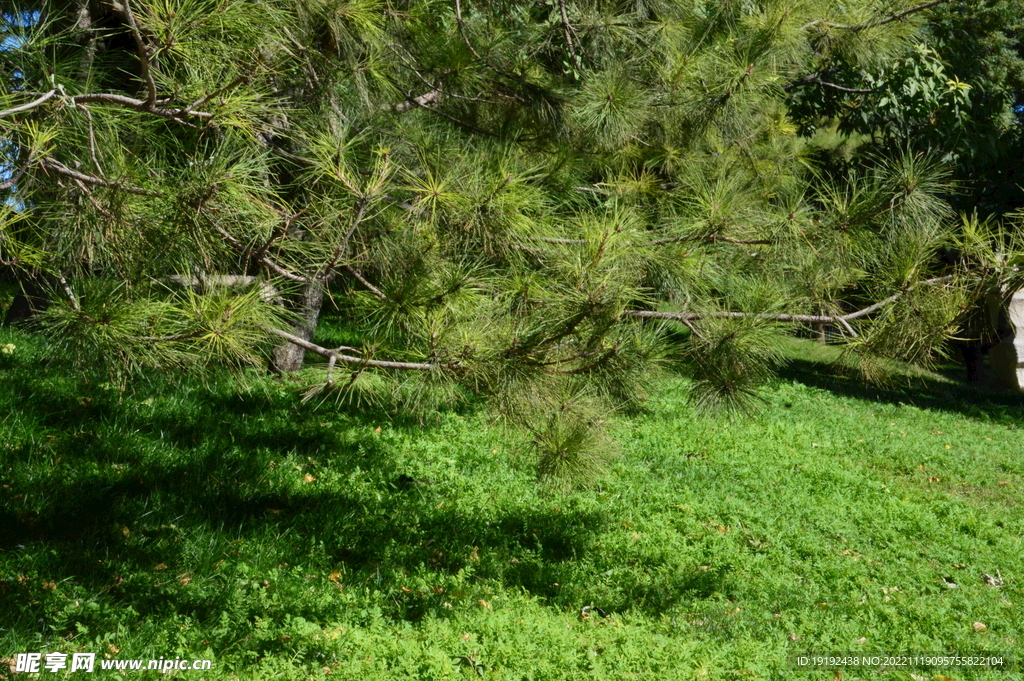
(289, 357)
(28, 302)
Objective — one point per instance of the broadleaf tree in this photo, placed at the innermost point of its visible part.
(521, 200)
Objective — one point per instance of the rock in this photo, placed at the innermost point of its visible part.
(1006, 359)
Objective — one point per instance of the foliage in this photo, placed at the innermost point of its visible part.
(502, 199)
(956, 89)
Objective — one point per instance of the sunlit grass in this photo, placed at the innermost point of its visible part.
(285, 541)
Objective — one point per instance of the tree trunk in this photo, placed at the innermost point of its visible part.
(287, 356)
(27, 303)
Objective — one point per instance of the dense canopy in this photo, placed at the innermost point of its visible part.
(541, 202)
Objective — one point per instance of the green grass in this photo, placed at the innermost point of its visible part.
(287, 542)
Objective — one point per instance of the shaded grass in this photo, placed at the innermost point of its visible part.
(282, 541)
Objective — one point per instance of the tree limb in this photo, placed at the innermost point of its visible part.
(31, 105)
(190, 109)
(712, 238)
(262, 259)
(891, 299)
(841, 320)
(421, 101)
(57, 166)
(877, 22)
(380, 295)
(143, 52)
(567, 29)
(348, 359)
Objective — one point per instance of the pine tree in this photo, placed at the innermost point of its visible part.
(522, 200)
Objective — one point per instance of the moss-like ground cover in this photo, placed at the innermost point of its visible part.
(288, 542)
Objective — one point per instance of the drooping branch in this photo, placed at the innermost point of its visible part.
(815, 79)
(876, 22)
(31, 105)
(693, 316)
(710, 238)
(348, 359)
(841, 320)
(58, 167)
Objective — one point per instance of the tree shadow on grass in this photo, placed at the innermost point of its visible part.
(955, 396)
(142, 484)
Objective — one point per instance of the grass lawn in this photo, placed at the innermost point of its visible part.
(282, 541)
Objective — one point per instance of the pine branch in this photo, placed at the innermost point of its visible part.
(57, 166)
(380, 295)
(568, 30)
(139, 105)
(877, 22)
(841, 320)
(815, 79)
(348, 359)
(13, 180)
(693, 316)
(144, 54)
(144, 106)
(893, 298)
(343, 246)
(258, 257)
(711, 238)
(190, 109)
(92, 140)
(421, 101)
(31, 105)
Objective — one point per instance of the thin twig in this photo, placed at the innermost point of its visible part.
(357, 275)
(711, 238)
(187, 111)
(853, 90)
(841, 320)
(348, 359)
(815, 79)
(92, 199)
(343, 246)
(57, 166)
(92, 141)
(877, 22)
(424, 99)
(143, 51)
(139, 105)
(31, 105)
(462, 31)
(13, 180)
(169, 339)
(262, 259)
(891, 299)
(567, 29)
(72, 298)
